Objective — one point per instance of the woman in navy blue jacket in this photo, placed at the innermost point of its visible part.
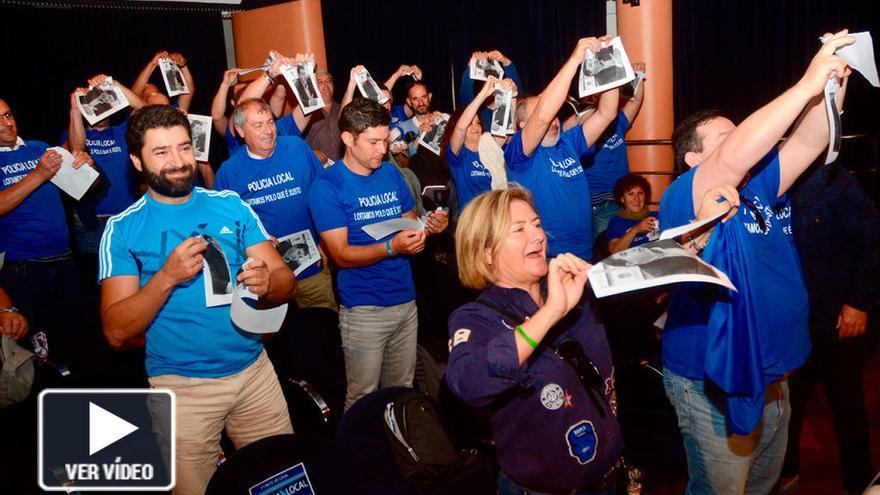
(532, 351)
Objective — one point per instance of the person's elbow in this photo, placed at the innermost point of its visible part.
(114, 335)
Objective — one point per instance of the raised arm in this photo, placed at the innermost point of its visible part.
(144, 77)
(605, 113)
(458, 133)
(352, 84)
(632, 107)
(760, 132)
(403, 69)
(553, 96)
(218, 105)
(76, 131)
(808, 139)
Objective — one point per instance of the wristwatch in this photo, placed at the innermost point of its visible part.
(10, 309)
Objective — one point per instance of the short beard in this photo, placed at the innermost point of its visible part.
(172, 189)
(549, 142)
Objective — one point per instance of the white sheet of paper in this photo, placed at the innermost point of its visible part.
(834, 127)
(677, 231)
(860, 56)
(73, 181)
(380, 230)
(249, 318)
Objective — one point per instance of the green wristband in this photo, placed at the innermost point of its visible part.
(522, 333)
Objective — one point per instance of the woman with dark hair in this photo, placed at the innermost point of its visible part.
(532, 351)
(634, 224)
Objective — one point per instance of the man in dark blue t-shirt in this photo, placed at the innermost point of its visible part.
(39, 271)
(547, 161)
(377, 317)
(273, 175)
(732, 443)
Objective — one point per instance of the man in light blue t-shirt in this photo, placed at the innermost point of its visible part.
(746, 342)
(273, 175)
(377, 315)
(153, 284)
(548, 162)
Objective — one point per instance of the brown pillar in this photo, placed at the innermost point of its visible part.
(290, 28)
(646, 32)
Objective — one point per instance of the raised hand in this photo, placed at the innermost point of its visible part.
(566, 277)
(825, 64)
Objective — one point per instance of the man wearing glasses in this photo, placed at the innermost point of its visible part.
(39, 267)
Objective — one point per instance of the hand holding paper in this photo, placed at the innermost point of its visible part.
(185, 261)
(255, 276)
(72, 177)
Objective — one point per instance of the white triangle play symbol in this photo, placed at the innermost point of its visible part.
(105, 428)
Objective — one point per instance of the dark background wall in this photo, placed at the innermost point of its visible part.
(734, 55)
(50, 51)
(439, 36)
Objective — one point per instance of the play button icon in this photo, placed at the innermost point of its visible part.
(105, 439)
(105, 428)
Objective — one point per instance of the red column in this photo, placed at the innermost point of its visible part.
(646, 32)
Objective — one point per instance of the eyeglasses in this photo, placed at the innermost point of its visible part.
(572, 352)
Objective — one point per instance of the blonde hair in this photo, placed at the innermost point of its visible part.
(483, 225)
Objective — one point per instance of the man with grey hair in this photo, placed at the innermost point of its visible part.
(273, 174)
(548, 161)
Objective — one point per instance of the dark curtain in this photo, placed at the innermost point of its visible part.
(439, 36)
(50, 51)
(739, 55)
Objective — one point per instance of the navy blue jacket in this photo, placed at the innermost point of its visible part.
(837, 232)
(549, 433)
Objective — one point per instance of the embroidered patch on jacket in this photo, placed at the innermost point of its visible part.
(552, 396)
(582, 441)
(460, 336)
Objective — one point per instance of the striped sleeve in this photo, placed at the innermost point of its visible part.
(114, 256)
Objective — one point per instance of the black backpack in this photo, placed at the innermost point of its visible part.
(421, 448)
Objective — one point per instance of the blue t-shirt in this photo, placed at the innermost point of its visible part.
(772, 261)
(110, 152)
(36, 228)
(186, 338)
(342, 198)
(618, 226)
(277, 188)
(285, 126)
(609, 164)
(470, 176)
(398, 114)
(556, 178)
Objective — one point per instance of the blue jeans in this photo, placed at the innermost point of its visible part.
(506, 486)
(602, 214)
(720, 462)
(379, 344)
